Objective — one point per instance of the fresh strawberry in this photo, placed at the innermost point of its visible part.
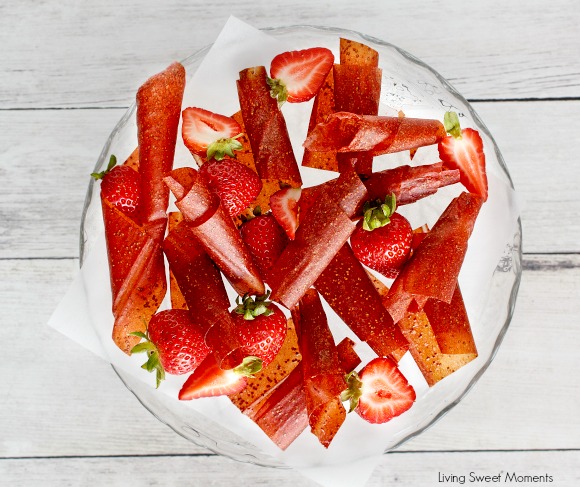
(284, 206)
(261, 326)
(463, 150)
(209, 134)
(209, 380)
(379, 392)
(296, 76)
(120, 186)
(173, 343)
(237, 185)
(265, 239)
(382, 239)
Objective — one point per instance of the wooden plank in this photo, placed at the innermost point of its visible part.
(62, 400)
(47, 188)
(400, 469)
(107, 49)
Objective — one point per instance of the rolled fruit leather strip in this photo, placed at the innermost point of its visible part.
(215, 230)
(137, 271)
(357, 89)
(407, 183)
(348, 132)
(175, 294)
(201, 284)
(159, 102)
(266, 128)
(433, 269)
(320, 235)
(347, 288)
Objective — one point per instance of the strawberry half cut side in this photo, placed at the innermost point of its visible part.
(296, 76)
(463, 150)
(208, 380)
(209, 134)
(379, 392)
(284, 206)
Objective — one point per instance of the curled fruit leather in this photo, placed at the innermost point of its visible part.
(266, 128)
(442, 249)
(407, 183)
(201, 284)
(158, 112)
(347, 288)
(137, 272)
(214, 230)
(323, 375)
(321, 234)
(348, 132)
(357, 89)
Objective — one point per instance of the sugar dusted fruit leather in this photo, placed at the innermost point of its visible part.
(327, 164)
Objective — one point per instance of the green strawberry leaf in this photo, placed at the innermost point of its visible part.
(110, 166)
(452, 125)
(278, 90)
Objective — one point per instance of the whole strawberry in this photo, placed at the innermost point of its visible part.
(237, 185)
(265, 239)
(382, 239)
(261, 327)
(120, 186)
(174, 344)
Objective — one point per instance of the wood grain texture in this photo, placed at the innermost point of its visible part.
(104, 51)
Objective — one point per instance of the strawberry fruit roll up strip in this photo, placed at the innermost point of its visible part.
(321, 234)
(215, 230)
(137, 273)
(266, 128)
(201, 284)
(433, 269)
(158, 112)
(323, 375)
(348, 132)
(346, 287)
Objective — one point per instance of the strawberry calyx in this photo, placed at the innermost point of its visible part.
(153, 362)
(377, 214)
(353, 391)
(251, 308)
(110, 166)
(249, 367)
(452, 125)
(278, 90)
(220, 148)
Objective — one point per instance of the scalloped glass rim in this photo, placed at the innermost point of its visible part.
(240, 451)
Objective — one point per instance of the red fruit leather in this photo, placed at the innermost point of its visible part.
(407, 183)
(266, 128)
(215, 230)
(201, 284)
(158, 111)
(349, 359)
(346, 287)
(320, 235)
(137, 273)
(323, 374)
(348, 132)
(433, 268)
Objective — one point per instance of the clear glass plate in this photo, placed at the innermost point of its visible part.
(413, 87)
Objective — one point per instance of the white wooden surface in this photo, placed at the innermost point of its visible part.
(67, 71)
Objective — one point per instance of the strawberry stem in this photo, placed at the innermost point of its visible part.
(253, 307)
(377, 214)
(278, 90)
(452, 125)
(220, 148)
(111, 165)
(153, 362)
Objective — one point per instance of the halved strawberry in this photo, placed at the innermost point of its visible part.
(237, 185)
(379, 392)
(261, 327)
(120, 187)
(209, 380)
(463, 150)
(209, 134)
(284, 206)
(297, 76)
